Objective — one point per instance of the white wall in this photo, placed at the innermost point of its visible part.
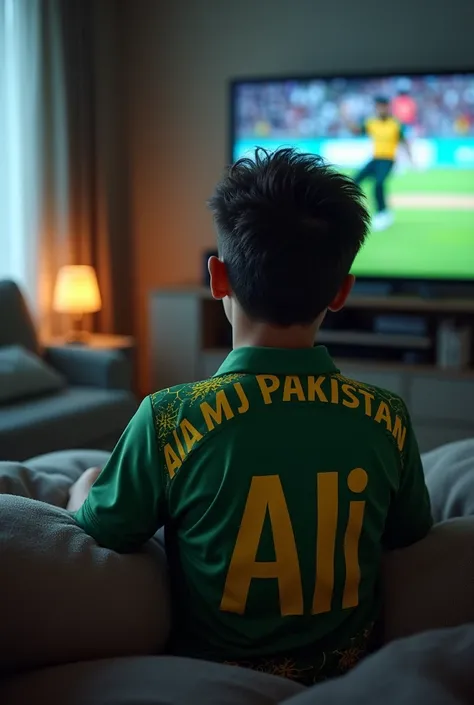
(179, 57)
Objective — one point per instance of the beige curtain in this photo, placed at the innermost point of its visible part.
(84, 204)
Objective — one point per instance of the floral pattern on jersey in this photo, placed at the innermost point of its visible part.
(349, 658)
(168, 403)
(166, 420)
(200, 390)
(327, 664)
(284, 667)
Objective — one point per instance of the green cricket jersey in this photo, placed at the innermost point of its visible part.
(280, 483)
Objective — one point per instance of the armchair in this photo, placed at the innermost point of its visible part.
(90, 407)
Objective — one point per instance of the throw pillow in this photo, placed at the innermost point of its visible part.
(23, 374)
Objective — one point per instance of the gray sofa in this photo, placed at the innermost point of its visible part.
(82, 625)
(88, 399)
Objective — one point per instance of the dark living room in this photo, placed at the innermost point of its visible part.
(118, 118)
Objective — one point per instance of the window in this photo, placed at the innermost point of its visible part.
(19, 143)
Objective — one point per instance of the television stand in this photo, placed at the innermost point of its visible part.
(389, 341)
(418, 289)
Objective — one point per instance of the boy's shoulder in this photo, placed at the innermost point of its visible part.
(386, 408)
(395, 401)
(191, 394)
(194, 405)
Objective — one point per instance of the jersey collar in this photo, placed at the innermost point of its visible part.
(278, 361)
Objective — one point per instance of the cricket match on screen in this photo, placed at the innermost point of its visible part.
(407, 140)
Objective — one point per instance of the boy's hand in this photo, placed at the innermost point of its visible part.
(79, 491)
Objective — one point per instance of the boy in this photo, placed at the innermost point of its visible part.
(279, 481)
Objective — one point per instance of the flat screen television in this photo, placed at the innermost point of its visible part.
(408, 139)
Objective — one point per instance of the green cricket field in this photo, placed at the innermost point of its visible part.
(433, 233)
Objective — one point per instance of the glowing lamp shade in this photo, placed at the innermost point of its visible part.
(77, 291)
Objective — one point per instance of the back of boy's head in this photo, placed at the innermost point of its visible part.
(288, 230)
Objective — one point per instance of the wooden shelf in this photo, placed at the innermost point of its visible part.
(412, 304)
(374, 340)
(375, 365)
(412, 369)
(379, 340)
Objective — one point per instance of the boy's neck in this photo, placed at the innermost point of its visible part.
(266, 336)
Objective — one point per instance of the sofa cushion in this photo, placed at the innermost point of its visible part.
(449, 472)
(49, 477)
(24, 375)
(434, 668)
(159, 680)
(17, 326)
(65, 599)
(430, 585)
(74, 417)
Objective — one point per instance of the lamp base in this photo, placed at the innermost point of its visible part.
(77, 337)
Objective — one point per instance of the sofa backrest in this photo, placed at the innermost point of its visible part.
(16, 324)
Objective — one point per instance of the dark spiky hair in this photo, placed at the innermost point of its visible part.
(288, 228)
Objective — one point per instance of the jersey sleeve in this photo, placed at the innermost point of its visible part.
(409, 519)
(126, 504)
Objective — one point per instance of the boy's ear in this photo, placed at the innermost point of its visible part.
(343, 294)
(219, 283)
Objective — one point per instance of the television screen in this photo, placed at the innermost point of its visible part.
(409, 142)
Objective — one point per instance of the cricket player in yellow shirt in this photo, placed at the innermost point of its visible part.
(387, 134)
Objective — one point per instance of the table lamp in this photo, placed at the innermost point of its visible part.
(76, 293)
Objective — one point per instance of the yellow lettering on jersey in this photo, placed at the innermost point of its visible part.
(293, 388)
(179, 445)
(357, 483)
(173, 463)
(244, 402)
(368, 401)
(211, 415)
(334, 391)
(190, 434)
(265, 494)
(383, 414)
(399, 433)
(314, 389)
(268, 385)
(352, 402)
(327, 511)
